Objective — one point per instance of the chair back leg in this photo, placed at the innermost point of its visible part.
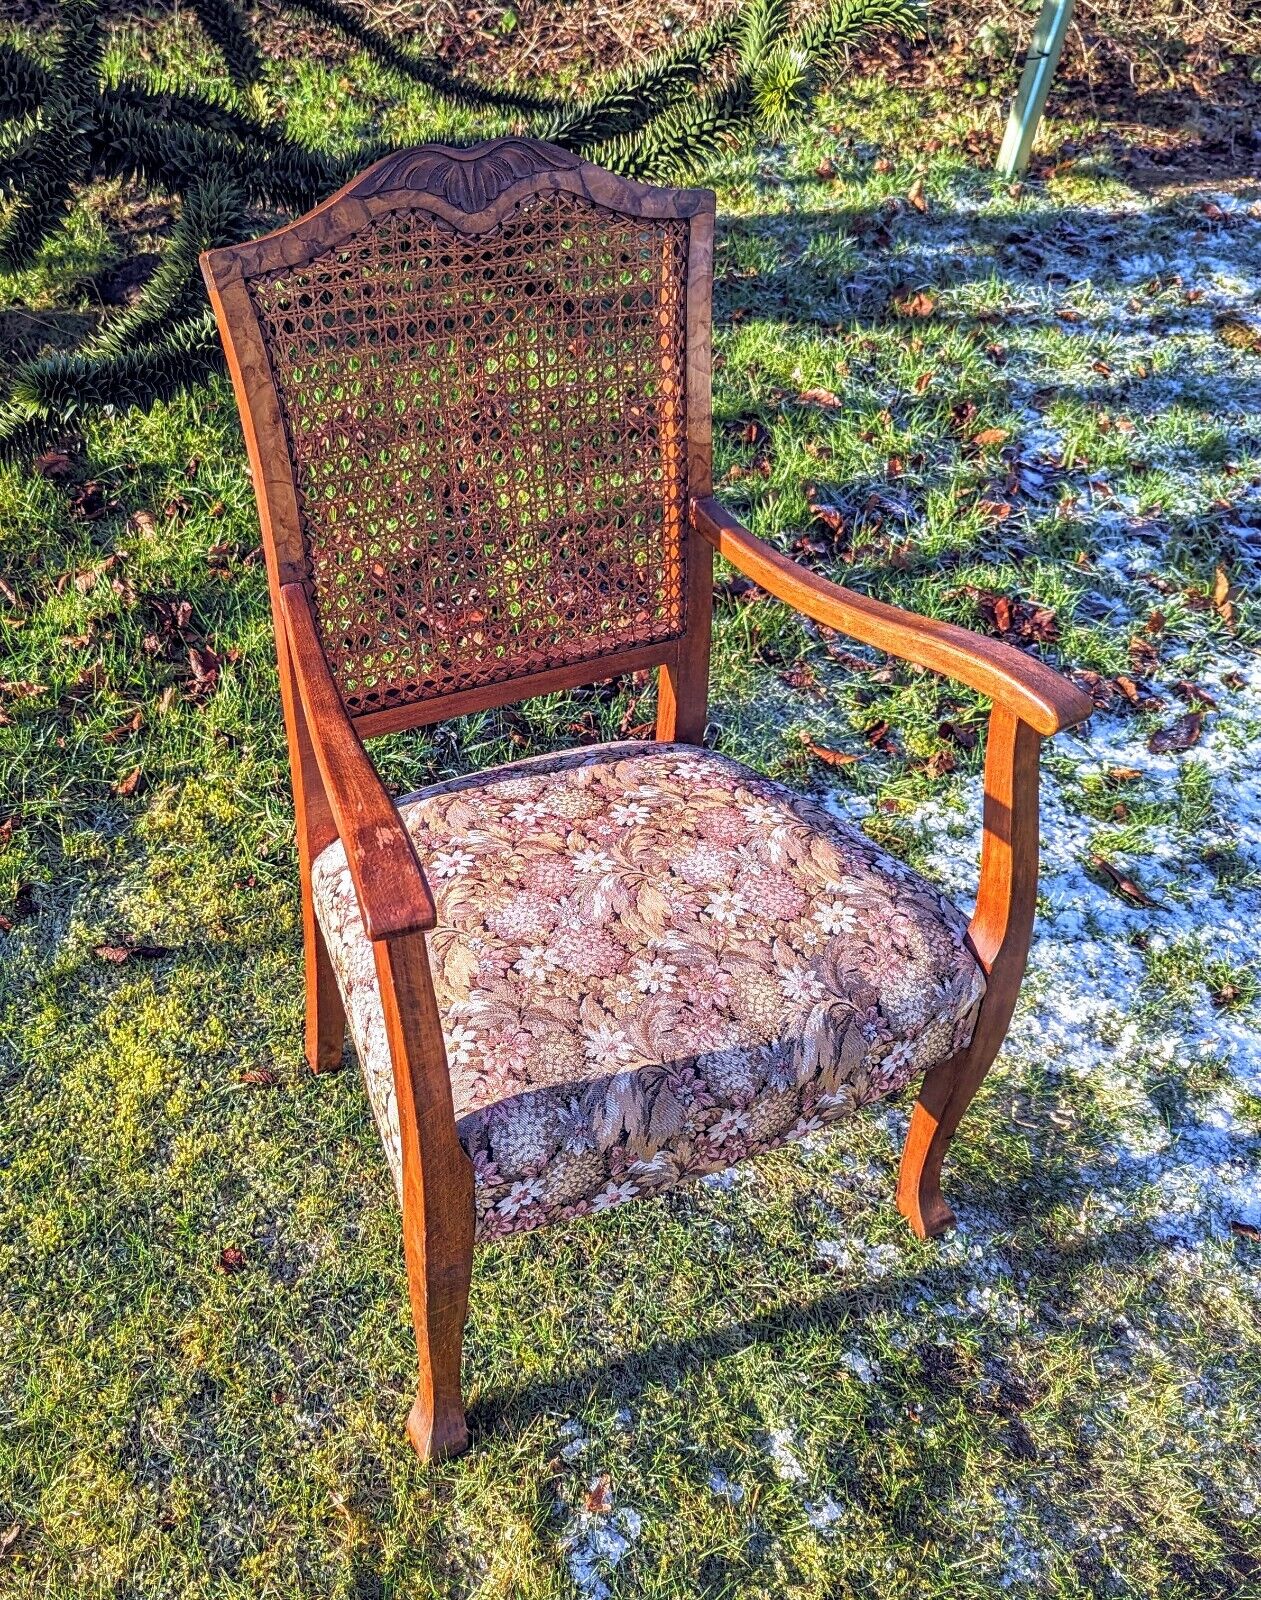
(325, 1014)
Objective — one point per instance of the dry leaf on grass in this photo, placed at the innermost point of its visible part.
(124, 730)
(1194, 695)
(600, 1496)
(1179, 735)
(118, 953)
(921, 304)
(1225, 594)
(957, 733)
(1125, 885)
(260, 1078)
(833, 758)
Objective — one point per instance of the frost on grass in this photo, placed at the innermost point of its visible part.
(599, 1534)
(781, 1446)
(595, 1543)
(1092, 1012)
(823, 1515)
(726, 1488)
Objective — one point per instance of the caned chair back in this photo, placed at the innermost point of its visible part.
(475, 386)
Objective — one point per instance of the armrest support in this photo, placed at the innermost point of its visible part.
(393, 896)
(1032, 691)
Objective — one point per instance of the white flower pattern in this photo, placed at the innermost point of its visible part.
(665, 1027)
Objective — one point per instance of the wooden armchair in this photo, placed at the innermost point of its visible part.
(475, 389)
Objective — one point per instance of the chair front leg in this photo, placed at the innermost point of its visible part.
(438, 1218)
(1000, 933)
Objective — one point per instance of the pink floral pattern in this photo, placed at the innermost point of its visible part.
(651, 963)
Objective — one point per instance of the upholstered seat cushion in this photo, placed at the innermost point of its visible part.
(650, 963)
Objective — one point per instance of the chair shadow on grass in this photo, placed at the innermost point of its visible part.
(1053, 1272)
(509, 1409)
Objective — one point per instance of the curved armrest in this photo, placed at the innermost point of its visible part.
(389, 883)
(1029, 689)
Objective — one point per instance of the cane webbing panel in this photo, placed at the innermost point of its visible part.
(489, 442)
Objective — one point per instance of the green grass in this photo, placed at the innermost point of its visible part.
(1060, 1399)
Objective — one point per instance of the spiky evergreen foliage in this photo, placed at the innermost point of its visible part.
(224, 26)
(629, 99)
(779, 71)
(746, 76)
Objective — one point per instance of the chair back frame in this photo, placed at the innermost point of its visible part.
(473, 191)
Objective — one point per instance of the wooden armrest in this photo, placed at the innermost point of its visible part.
(1029, 689)
(393, 896)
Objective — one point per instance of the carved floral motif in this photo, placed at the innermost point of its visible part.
(469, 180)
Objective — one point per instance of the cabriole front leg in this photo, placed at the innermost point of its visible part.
(438, 1218)
(1000, 933)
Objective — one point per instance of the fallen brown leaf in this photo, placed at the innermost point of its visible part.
(1144, 657)
(801, 675)
(205, 666)
(818, 397)
(920, 304)
(1179, 735)
(1194, 695)
(957, 733)
(600, 1496)
(833, 758)
(1225, 595)
(133, 724)
(737, 587)
(1128, 688)
(991, 436)
(260, 1078)
(128, 786)
(1125, 885)
(1245, 1230)
(231, 1259)
(53, 464)
(118, 953)
(916, 197)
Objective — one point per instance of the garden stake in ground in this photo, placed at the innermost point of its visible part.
(475, 387)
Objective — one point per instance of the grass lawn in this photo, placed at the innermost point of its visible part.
(1037, 410)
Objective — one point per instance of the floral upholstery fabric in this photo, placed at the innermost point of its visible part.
(650, 963)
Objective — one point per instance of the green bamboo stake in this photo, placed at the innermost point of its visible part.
(1035, 85)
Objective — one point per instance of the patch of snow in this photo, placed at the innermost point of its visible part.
(576, 1440)
(823, 1515)
(725, 1487)
(865, 1370)
(781, 1447)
